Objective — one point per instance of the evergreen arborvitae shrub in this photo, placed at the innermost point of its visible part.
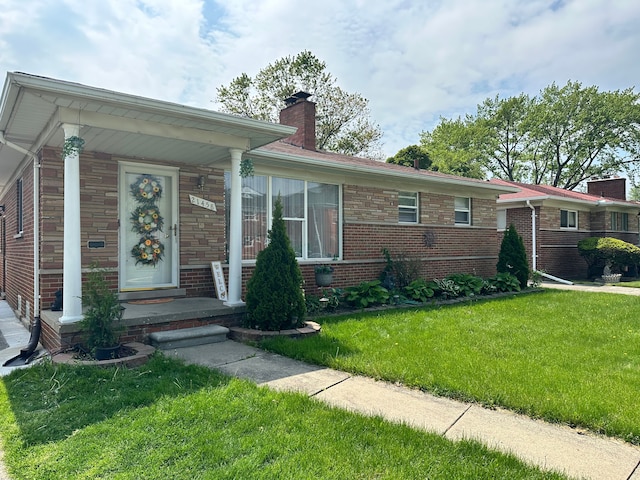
(274, 292)
(513, 256)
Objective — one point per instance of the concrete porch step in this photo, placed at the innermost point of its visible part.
(188, 337)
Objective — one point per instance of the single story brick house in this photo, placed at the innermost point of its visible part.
(157, 195)
(552, 221)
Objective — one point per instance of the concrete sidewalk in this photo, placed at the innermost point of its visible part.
(552, 447)
(593, 288)
(15, 334)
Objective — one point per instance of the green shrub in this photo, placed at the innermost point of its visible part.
(598, 251)
(513, 257)
(418, 290)
(489, 287)
(447, 288)
(102, 318)
(504, 282)
(400, 270)
(367, 294)
(274, 292)
(468, 285)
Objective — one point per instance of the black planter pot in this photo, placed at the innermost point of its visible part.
(106, 353)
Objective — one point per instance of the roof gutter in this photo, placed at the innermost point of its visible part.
(36, 220)
(366, 169)
(597, 203)
(84, 92)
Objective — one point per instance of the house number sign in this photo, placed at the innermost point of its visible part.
(201, 202)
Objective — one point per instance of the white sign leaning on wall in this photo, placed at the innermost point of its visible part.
(218, 278)
(201, 202)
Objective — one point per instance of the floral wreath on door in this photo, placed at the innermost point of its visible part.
(146, 220)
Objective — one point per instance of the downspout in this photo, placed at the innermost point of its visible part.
(28, 353)
(534, 255)
(36, 220)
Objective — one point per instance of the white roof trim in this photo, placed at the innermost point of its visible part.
(366, 169)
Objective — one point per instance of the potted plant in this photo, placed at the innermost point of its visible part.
(324, 275)
(102, 318)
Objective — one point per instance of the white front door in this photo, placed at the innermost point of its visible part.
(148, 227)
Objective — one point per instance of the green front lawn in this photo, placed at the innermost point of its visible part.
(570, 357)
(166, 420)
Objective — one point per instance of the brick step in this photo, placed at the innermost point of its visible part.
(188, 337)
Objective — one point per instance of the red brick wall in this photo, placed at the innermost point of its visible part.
(19, 248)
(370, 223)
(558, 248)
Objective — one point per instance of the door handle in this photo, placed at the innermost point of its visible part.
(175, 231)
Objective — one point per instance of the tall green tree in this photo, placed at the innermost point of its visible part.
(562, 137)
(502, 137)
(582, 132)
(408, 157)
(274, 291)
(453, 147)
(343, 123)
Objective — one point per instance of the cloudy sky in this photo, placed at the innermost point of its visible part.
(414, 60)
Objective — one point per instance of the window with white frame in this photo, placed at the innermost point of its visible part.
(19, 207)
(614, 220)
(624, 222)
(408, 207)
(568, 219)
(310, 211)
(462, 206)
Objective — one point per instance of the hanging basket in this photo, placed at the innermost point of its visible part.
(72, 145)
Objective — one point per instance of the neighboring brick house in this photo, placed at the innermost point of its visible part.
(564, 217)
(93, 207)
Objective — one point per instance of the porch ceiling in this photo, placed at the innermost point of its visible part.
(33, 108)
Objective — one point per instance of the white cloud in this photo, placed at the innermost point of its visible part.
(414, 61)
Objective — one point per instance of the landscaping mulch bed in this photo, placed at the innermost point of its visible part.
(131, 354)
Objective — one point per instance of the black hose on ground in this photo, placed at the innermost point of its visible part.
(29, 352)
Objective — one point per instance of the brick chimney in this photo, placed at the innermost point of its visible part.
(300, 113)
(611, 187)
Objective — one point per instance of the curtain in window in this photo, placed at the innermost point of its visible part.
(322, 228)
(292, 195)
(311, 215)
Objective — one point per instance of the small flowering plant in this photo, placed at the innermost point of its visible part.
(148, 251)
(323, 269)
(146, 189)
(146, 219)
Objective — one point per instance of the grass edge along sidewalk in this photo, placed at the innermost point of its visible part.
(168, 420)
(565, 357)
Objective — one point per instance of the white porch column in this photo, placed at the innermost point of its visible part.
(72, 268)
(235, 232)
